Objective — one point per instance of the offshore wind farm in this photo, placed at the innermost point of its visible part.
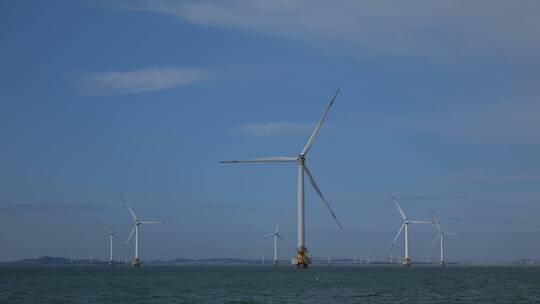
(269, 151)
(300, 259)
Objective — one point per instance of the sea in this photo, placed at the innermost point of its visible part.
(269, 284)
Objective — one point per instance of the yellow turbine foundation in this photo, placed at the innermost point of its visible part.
(301, 259)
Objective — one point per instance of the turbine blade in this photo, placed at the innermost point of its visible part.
(118, 230)
(436, 222)
(438, 226)
(283, 240)
(104, 226)
(154, 222)
(314, 184)
(130, 235)
(450, 233)
(129, 208)
(267, 235)
(397, 235)
(420, 222)
(276, 229)
(262, 160)
(317, 129)
(434, 241)
(399, 208)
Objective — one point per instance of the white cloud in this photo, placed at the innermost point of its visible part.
(50, 208)
(418, 28)
(515, 121)
(137, 81)
(275, 128)
(475, 176)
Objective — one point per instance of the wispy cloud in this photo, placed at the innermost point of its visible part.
(275, 128)
(417, 28)
(432, 197)
(474, 176)
(515, 121)
(137, 81)
(220, 207)
(510, 197)
(50, 208)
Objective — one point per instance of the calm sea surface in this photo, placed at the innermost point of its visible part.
(267, 284)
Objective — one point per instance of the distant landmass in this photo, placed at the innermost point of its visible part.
(47, 260)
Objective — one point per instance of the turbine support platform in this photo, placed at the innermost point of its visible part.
(136, 262)
(301, 258)
(442, 263)
(407, 262)
(110, 263)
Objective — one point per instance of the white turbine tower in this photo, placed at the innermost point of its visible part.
(301, 259)
(440, 236)
(136, 223)
(405, 225)
(276, 236)
(111, 235)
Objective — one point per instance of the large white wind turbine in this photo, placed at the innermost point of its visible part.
(405, 225)
(136, 223)
(440, 236)
(111, 235)
(276, 236)
(301, 259)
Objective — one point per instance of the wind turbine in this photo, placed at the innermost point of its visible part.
(111, 235)
(276, 236)
(405, 225)
(301, 259)
(136, 223)
(440, 236)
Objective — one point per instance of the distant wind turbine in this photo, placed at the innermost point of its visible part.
(276, 236)
(405, 226)
(136, 223)
(301, 259)
(111, 235)
(440, 236)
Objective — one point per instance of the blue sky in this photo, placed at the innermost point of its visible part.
(439, 104)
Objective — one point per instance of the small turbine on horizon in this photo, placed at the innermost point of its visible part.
(136, 223)
(276, 236)
(301, 258)
(440, 236)
(407, 262)
(111, 235)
